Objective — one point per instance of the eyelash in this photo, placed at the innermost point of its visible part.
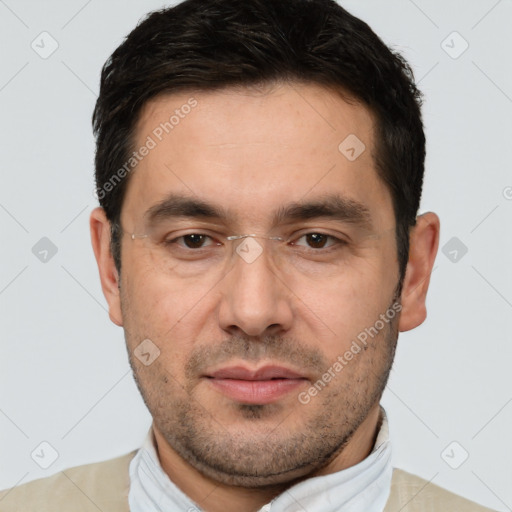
(336, 242)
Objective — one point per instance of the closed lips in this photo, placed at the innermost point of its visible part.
(264, 373)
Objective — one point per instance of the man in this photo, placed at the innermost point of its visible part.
(259, 168)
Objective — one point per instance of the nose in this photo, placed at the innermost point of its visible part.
(255, 298)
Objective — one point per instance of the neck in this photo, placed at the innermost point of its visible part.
(213, 496)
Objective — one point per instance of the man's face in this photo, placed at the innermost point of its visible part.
(243, 340)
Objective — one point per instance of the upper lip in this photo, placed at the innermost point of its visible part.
(263, 373)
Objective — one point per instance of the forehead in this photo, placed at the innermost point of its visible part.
(253, 150)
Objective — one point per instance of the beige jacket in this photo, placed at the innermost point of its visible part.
(104, 487)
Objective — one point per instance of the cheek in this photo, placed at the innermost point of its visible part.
(344, 306)
(165, 311)
(153, 298)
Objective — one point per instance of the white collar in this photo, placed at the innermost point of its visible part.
(364, 487)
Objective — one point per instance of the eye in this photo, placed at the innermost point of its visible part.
(193, 241)
(318, 241)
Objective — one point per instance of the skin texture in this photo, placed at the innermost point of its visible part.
(250, 152)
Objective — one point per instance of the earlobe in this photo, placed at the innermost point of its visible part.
(424, 241)
(100, 238)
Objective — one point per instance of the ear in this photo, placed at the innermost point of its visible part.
(100, 238)
(424, 241)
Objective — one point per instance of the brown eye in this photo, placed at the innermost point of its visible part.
(194, 241)
(317, 240)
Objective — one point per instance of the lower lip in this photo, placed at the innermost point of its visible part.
(256, 391)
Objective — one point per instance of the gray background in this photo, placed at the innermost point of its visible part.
(64, 372)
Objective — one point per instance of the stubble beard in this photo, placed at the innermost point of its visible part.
(269, 451)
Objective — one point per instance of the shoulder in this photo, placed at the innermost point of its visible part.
(103, 486)
(410, 493)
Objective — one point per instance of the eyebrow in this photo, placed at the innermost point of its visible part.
(184, 206)
(332, 206)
